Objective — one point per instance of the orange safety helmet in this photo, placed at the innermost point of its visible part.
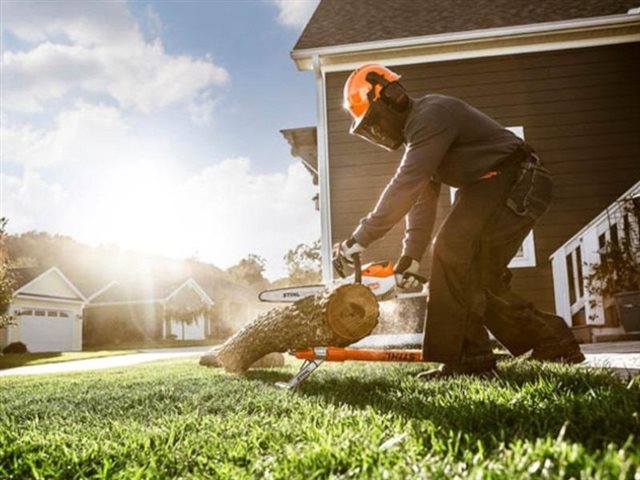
(378, 104)
(357, 88)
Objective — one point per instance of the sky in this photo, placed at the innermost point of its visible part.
(154, 125)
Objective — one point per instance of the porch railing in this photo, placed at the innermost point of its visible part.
(571, 263)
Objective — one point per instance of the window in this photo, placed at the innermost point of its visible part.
(52, 313)
(40, 313)
(25, 312)
(572, 279)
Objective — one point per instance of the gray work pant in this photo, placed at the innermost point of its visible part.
(469, 289)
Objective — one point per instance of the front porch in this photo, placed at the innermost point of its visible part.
(592, 317)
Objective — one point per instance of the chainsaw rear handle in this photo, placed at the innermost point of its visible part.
(419, 278)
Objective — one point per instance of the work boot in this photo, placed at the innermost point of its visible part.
(560, 351)
(558, 344)
(476, 366)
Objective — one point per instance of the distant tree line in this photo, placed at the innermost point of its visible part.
(99, 265)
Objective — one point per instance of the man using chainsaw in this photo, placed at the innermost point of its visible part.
(503, 189)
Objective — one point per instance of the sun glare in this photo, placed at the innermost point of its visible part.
(139, 207)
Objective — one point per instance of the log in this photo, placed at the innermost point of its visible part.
(334, 318)
(270, 360)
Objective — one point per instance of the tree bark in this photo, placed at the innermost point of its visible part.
(334, 318)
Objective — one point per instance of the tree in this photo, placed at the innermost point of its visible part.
(6, 282)
(249, 271)
(304, 263)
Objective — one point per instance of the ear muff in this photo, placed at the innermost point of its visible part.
(392, 93)
(395, 96)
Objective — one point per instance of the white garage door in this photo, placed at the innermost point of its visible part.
(47, 330)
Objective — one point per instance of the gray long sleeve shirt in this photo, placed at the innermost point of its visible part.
(446, 141)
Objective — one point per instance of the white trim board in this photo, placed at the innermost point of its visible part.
(323, 173)
(476, 43)
(38, 298)
(575, 239)
(99, 292)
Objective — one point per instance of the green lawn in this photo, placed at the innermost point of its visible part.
(176, 419)
(12, 360)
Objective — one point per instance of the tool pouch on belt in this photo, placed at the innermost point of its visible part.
(532, 191)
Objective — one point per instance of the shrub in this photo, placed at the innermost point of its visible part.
(15, 347)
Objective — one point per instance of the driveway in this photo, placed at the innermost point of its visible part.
(144, 356)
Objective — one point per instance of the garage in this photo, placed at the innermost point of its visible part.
(46, 330)
(48, 310)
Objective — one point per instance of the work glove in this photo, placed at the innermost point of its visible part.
(406, 273)
(343, 253)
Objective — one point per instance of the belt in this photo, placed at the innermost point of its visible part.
(524, 153)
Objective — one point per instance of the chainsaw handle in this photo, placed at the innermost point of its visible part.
(419, 278)
(357, 265)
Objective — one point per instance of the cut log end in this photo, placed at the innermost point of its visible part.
(352, 313)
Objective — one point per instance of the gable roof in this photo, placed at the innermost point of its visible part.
(134, 291)
(193, 285)
(138, 290)
(23, 277)
(345, 22)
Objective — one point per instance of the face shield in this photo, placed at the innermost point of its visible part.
(383, 122)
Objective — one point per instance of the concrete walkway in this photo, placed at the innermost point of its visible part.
(144, 356)
(623, 357)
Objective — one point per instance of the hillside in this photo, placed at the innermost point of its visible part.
(91, 268)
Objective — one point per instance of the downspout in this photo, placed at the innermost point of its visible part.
(323, 172)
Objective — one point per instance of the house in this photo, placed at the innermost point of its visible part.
(48, 311)
(563, 74)
(148, 309)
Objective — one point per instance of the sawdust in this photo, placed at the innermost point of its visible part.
(401, 316)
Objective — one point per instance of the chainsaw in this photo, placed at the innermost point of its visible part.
(379, 277)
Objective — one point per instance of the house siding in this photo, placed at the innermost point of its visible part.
(580, 109)
(122, 323)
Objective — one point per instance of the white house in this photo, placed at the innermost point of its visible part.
(48, 310)
(139, 310)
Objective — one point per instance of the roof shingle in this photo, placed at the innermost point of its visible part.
(343, 22)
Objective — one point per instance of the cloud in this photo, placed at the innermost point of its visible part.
(88, 134)
(295, 13)
(241, 211)
(96, 48)
(82, 23)
(31, 203)
(118, 186)
(201, 109)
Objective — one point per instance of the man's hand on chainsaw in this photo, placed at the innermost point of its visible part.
(343, 253)
(406, 273)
